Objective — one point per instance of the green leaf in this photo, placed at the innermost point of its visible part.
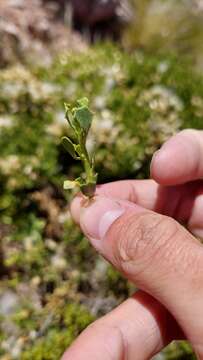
(68, 115)
(79, 117)
(78, 149)
(84, 118)
(70, 148)
(83, 102)
(67, 107)
(69, 185)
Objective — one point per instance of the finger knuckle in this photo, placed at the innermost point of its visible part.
(144, 239)
(102, 327)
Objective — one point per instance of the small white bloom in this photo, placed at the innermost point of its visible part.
(100, 102)
(59, 262)
(6, 121)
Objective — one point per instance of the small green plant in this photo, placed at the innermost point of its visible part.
(80, 120)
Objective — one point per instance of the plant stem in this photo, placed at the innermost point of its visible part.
(90, 176)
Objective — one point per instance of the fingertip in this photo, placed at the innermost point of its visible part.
(80, 205)
(160, 168)
(178, 161)
(75, 207)
(170, 164)
(154, 166)
(92, 215)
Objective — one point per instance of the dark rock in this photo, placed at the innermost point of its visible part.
(101, 18)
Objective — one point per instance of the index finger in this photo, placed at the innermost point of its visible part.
(142, 192)
(180, 159)
(140, 325)
(182, 202)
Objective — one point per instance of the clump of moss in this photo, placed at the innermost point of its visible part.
(179, 350)
(73, 319)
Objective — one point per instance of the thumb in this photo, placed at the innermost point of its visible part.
(153, 251)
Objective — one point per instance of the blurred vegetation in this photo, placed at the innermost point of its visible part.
(168, 25)
(52, 283)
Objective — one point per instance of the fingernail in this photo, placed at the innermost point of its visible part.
(156, 153)
(154, 159)
(160, 155)
(96, 219)
(158, 170)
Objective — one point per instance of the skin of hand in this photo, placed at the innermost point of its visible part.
(137, 225)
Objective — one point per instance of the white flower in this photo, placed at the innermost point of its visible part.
(59, 262)
(100, 102)
(9, 164)
(6, 121)
(163, 67)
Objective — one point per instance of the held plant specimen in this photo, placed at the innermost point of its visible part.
(80, 120)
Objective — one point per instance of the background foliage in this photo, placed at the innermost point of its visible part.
(52, 284)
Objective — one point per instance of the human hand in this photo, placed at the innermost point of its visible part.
(131, 223)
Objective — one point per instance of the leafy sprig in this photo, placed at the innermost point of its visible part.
(80, 120)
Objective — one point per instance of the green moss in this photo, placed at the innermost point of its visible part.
(118, 285)
(73, 320)
(179, 350)
(77, 317)
(51, 348)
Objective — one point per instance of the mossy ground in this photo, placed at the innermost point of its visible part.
(53, 282)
